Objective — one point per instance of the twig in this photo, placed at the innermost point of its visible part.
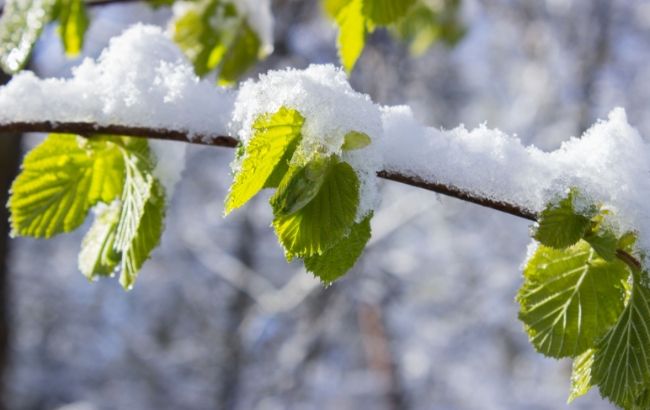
(85, 128)
(89, 129)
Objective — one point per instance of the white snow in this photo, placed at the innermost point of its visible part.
(609, 164)
(142, 79)
(331, 108)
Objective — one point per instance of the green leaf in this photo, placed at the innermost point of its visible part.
(338, 260)
(98, 256)
(355, 140)
(622, 360)
(604, 242)
(581, 375)
(570, 298)
(326, 219)
(142, 212)
(243, 53)
(352, 33)
(385, 12)
(214, 35)
(73, 23)
(333, 7)
(560, 225)
(273, 136)
(423, 26)
(21, 24)
(60, 180)
(300, 185)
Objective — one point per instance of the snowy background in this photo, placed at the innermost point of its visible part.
(426, 320)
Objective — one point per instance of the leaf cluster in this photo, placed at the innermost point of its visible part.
(421, 23)
(316, 195)
(67, 175)
(580, 300)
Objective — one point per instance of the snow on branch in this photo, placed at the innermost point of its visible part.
(142, 86)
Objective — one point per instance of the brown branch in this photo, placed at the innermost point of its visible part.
(89, 129)
(85, 128)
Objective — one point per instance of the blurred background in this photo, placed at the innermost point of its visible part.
(426, 319)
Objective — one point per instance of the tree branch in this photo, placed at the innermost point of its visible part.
(88, 129)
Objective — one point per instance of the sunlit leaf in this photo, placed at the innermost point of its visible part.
(570, 298)
(274, 136)
(322, 223)
(338, 260)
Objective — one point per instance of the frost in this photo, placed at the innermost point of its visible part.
(331, 108)
(141, 80)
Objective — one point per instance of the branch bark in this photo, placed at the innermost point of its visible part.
(89, 129)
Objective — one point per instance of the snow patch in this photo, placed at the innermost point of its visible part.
(142, 79)
(609, 164)
(331, 108)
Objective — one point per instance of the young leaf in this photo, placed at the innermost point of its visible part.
(385, 12)
(352, 33)
(622, 360)
(326, 219)
(333, 7)
(213, 34)
(98, 256)
(142, 212)
(60, 180)
(604, 242)
(560, 225)
(355, 140)
(570, 298)
(274, 135)
(21, 24)
(243, 52)
(423, 26)
(73, 23)
(339, 259)
(581, 375)
(299, 186)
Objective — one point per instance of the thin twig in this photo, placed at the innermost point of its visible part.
(84, 128)
(89, 129)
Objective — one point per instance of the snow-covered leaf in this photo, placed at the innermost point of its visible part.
(560, 225)
(355, 140)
